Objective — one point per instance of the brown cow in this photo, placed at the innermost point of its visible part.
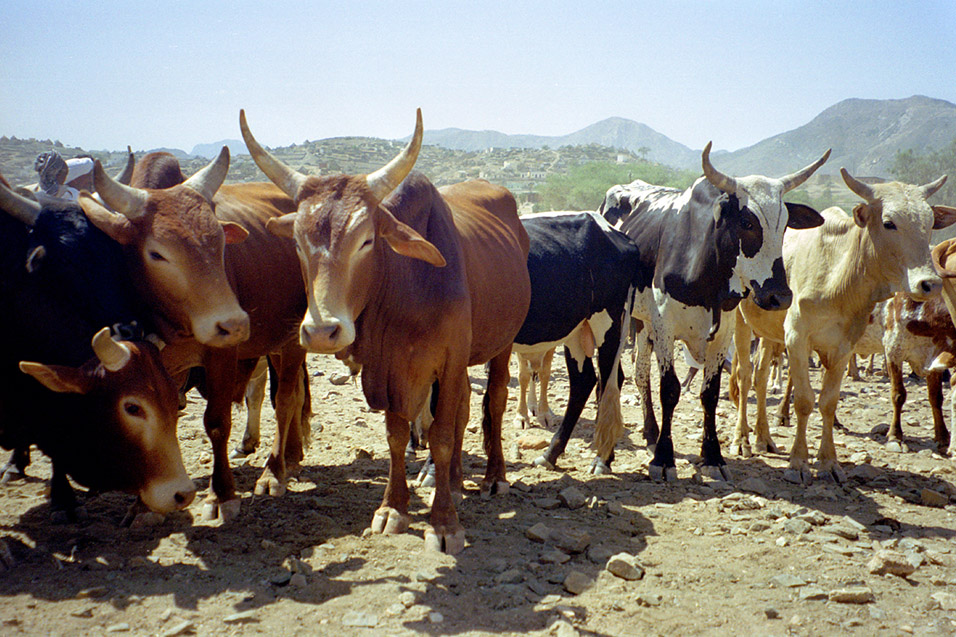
(176, 247)
(415, 284)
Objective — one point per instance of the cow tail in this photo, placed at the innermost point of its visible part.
(609, 427)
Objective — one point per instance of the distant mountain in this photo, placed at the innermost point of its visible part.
(865, 136)
(211, 151)
(176, 152)
(615, 132)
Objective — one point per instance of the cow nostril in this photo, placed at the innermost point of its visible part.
(334, 332)
(926, 286)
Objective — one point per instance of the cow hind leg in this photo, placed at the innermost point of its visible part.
(446, 533)
(663, 466)
(222, 377)
(16, 466)
(768, 352)
(274, 476)
(543, 414)
(898, 399)
(523, 418)
(63, 504)
(581, 381)
(609, 427)
(492, 412)
(642, 379)
(934, 387)
(255, 396)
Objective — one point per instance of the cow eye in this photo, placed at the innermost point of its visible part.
(889, 225)
(367, 242)
(133, 409)
(155, 256)
(746, 225)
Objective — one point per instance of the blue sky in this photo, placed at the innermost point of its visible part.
(106, 74)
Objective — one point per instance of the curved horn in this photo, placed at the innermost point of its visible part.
(126, 200)
(717, 178)
(207, 181)
(127, 174)
(858, 187)
(288, 180)
(113, 355)
(386, 179)
(795, 179)
(930, 189)
(19, 207)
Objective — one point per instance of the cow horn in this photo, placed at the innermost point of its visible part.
(127, 174)
(858, 187)
(288, 180)
(126, 200)
(207, 181)
(717, 178)
(930, 189)
(113, 355)
(793, 180)
(19, 207)
(387, 178)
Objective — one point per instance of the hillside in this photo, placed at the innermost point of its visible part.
(865, 136)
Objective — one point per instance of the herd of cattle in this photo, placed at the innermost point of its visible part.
(114, 300)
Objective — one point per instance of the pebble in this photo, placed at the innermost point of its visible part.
(576, 582)
(435, 617)
(548, 504)
(946, 601)
(407, 599)
(812, 593)
(886, 562)
(932, 498)
(531, 443)
(573, 498)
(241, 618)
(771, 613)
(538, 533)
(298, 580)
(359, 619)
(625, 566)
(864, 472)
(758, 486)
(570, 541)
(840, 531)
(562, 628)
(554, 557)
(96, 591)
(179, 629)
(787, 580)
(118, 628)
(852, 595)
(649, 599)
(796, 526)
(511, 576)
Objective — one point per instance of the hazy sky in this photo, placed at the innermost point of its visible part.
(106, 74)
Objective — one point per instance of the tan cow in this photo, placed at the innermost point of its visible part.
(415, 284)
(838, 272)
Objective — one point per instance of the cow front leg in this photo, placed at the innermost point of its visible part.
(221, 378)
(799, 355)
(392, 516)
(523, 419)
(768, 351)
(254, 397)
(740, 385)
(934, 387)
(581, 380)
(663, 466)
(63, 504)
(543, 414)
(492, 412)
(714, 466)
(898, 399)
(288, 369)
(829, 396)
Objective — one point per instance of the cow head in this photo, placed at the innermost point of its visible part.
(898, 221)
(175, 248)
(121, 430)
(750, 221)
(341, 230)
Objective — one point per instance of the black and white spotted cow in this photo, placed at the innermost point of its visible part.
(581, 272)
(709, 246)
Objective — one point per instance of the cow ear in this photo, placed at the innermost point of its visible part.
(35, 259)
(719, 205)
(861, 212)
(282, 226)
(944, 216)
(404, 240)
(801, 217)
(234, 232)
(58, 378)
(116, 226)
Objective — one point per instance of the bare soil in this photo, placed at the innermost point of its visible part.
(718, 559)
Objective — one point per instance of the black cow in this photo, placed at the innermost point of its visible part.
(110, 419)
(708, 247)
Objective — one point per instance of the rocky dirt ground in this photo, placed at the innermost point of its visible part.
(756, 556)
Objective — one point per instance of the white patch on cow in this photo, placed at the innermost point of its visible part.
(600, 323)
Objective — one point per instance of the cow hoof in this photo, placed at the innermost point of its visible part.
(7, 562)
(340, 379)
(445, 542)
(894, 446)
(741, 449)
(797, 476)
(498, 487)
(213, 509)
(425, 478)
(522, 422)
(542, 461)
(147, 519)
(269, 485)
(547, 420)
(834, 474)
(390, 521)
(239, 453)
(599, 468)
(10, 473)
(662, 474)
(715, 473)
(651, 448)
(783, 422)
(766, 446)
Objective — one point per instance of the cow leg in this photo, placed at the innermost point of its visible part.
(609, 426)
(63, 504)
(523, 419)
(799, 377)
(221, 379)
(288, 369)
(934, 387)
(255, 395)
(898, 398)
(742, 372)
(493, 408)
(952, 412)
(853, 371)
(663, 467)
(783, 409)
(392, 517)
(829, 396)
(713, 465)
(16, 466)
(768, 352)
(582, 381)
(642, 379)
(300, 426)
(446, 533)
(544, 415)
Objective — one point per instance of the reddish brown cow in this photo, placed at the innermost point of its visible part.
(175, 242)
(415, 284)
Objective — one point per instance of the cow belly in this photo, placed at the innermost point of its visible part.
(673, 320)
(582, 342)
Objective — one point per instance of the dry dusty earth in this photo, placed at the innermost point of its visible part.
(760, 556)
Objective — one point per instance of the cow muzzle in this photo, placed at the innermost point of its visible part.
(772, 297)
(924, 286)
(172, 494)
(223, 331)
(326, 337)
